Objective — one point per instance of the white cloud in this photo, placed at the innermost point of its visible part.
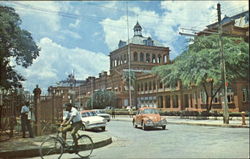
(46, 12)
(72, 34)
(75, 25)
(165, 27)
(56, 62)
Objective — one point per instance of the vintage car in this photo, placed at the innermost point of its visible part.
(102, 113)
(92, 121)
(149, 117)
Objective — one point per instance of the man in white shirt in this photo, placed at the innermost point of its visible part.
(25, 122)
(73, 121)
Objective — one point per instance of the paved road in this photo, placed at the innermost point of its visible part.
(178, 141)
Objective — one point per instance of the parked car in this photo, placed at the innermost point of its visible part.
(102, 113)
(92, 121)
(149, 117)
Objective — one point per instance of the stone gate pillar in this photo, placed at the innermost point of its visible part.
(37, 92)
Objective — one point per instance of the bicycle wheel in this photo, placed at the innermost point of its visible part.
(85, 146)
(51, 146)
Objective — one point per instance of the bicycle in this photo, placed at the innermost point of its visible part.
(57, 145)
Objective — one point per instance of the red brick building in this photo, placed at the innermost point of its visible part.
(148, 90)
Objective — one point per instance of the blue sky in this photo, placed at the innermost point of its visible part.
(79, 35)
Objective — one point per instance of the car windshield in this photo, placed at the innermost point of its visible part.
(150, 111)
(86, 114)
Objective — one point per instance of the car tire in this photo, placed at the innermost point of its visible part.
(134, 124)
(163, 127)
(103, 128)
(144, 126)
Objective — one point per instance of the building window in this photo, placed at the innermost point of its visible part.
(165, 58)
(153, 58)
(230, 95)
(125, 58)
(154, 86)
(150, 86)
(147, 58)
(175, 101)
(203, 97)
(245, 95)
(216, 98)
(121, 60)
(161, 85)
(135, 56)
(186, 104)
(167, 101)
(191, 100)
(160, 102)
(141, 86)
(159, 59)
(141, 57)
(146, 86)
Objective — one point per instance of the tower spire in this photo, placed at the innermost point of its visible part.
(137, 30)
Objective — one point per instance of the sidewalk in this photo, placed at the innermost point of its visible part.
(233, 123)
(29, 147)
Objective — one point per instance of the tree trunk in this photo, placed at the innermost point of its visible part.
(213, 95)
(205, 88)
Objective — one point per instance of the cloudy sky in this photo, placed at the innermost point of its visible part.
(80, 35)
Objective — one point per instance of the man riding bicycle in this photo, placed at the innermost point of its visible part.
(72, 122)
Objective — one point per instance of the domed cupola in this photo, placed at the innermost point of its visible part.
(137, 30)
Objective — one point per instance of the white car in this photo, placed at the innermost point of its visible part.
(102, 113)
(92, 121)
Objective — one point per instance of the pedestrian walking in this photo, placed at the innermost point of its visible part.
(113, 112)
(25, 119)
(130, 111)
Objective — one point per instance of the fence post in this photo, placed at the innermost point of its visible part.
(37, 92)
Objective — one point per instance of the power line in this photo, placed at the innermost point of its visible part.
(70, 15)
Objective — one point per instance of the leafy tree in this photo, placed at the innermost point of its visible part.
(16, 45)
(200, 65)
(101, 99)
(132, 78)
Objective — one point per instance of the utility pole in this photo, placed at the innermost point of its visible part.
(129, 63)
(223, 69)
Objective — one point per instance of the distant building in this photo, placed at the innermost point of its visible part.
(148, 89)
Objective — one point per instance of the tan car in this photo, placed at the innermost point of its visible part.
(149, 117)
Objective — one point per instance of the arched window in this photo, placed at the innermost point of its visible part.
(125, 58)
(153, 58)
(135, 56)
(165, 58)
(146, 86)
(147, 58)
(121, 58)
(118, 60)
(159, 59)
(141, 57)
(141, 86)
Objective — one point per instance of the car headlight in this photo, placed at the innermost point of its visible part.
(164, 120)
(104, 120)
(149, 121)
(86, 122)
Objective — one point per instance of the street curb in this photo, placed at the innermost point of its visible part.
(197, 124)
(216, 125)
(35, 152)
